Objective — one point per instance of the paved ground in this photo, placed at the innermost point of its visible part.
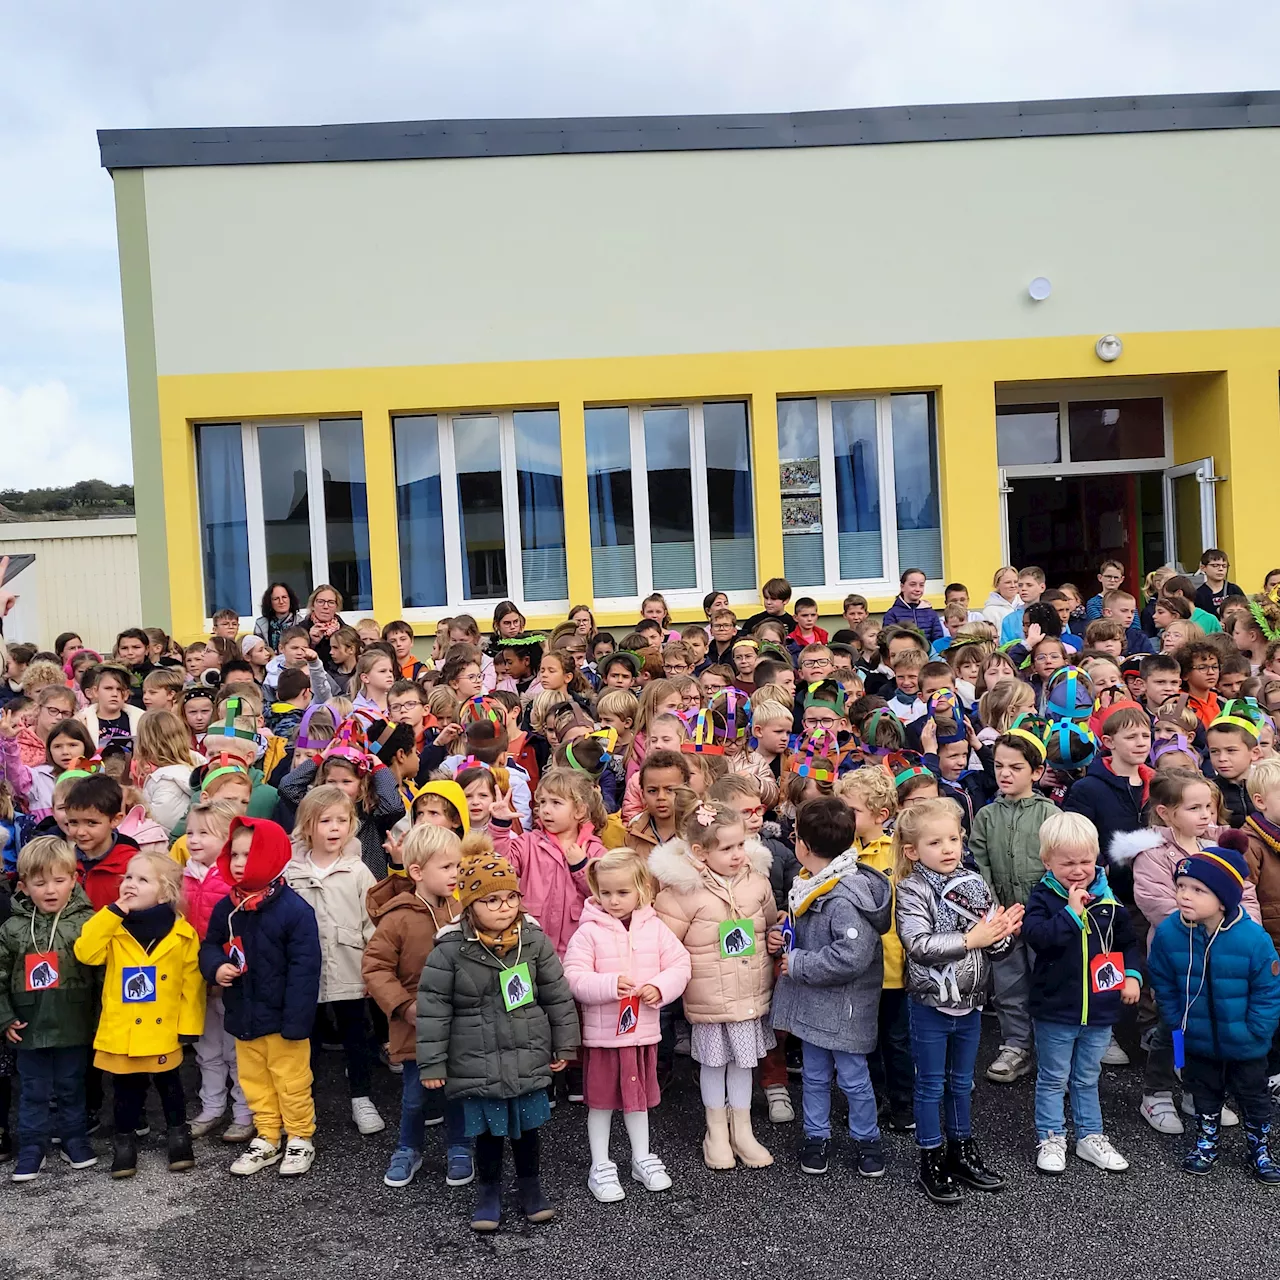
(342, 1223)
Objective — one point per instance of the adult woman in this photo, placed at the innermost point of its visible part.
(322, 618)
(279, 610)
(1004, 592)
(1271, 581)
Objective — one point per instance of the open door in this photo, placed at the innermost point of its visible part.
(1190, 512)
(1004, 489)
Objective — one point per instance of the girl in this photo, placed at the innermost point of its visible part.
(599, 646)
(162, 765)
(690, 692)
(480, 784)
(746, 653)
(508, 621)
(68, 743)
(622, 965)
(375, 674)
(716, 899)
(465, 630)
(1001, 706)
(150, 954)
(344, 654)
(495, 1020)
(1004, 591)
(582, 618)
(654, 608)
(965, 661)
(326, 871)
(462, 673)
(951, 929)
(660, 697)
(516, 665)
(197, 711)
(203, 886)
(558, 673)
(1177, 633)
(667, 732)
(997, 668)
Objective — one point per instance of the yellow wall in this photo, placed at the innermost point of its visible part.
(1231, 409)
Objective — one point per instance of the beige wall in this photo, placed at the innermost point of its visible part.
(266, 267)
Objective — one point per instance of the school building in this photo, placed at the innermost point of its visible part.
(443, 363)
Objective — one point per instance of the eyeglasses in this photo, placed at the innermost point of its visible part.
(754, 812)
(1206, 669)
(399, 708)
(810, 663)
(810, 723)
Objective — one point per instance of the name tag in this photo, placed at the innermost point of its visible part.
(40, 970)
(628, 1015)
(517, 987)
(737, 938)
(138, 984)
(1106, 972)
(235, 953)
(788, 933)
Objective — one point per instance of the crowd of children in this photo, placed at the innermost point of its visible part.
(532, 867)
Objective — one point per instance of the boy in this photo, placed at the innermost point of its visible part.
(694, 639)
(1030, 589)
(94, 809)
(1005, 844)
(911, 609)
(1233, 750)
(773, 671)
(269, 992)
(226, 623)
(891, 642)
(1182, 588)
(724, 631)
(1121, 606)
(1233, 671)
(193, 659)
(828, 990)
(369, 632)
(1200, 666)
(854, 610)
(872, 799)
(1086, 966)
(1161, 676)
(619, 670)
(958, 593)
(132, 649)
(1216, 977)
(399, 635)
(675, 660)
(1110, 578)
(296, 651)
(806, 630)
(662, 775)
(771, 724)
(162, 688)
(293, 697)
(775, 593)
(1062, 606)
(1215, 588)
(48, 1005)
(1106, 635)
(111, 718)
(905, 702)
(954, 616)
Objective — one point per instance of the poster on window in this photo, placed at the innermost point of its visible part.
(801, 515)
(801, 475)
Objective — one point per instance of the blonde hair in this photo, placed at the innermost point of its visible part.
(706, 835)
(45, 854)
(162, 739)
(541, 706)
(443, 703)
(1263, 776)
(763, 713)
(623, 859)
(871, 784)
(910, 826)
(577, 789)
(215, 814)
(618, 702)
(425, 841)
(999, 707)
(317, 802)
(167, 872)
(41, 673)
(1067, 831)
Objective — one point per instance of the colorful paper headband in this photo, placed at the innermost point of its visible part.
(1239, 722)
(580, 767)
(610, 739)
(946, 702)
(303, 742)
(470, 762)
(703, 737)
(482, 708)
(808, 748)
(83, 768)
(905, 765)
(737, 712)
(878, 717)
(1031, 728)
(1166, 746)
(1260, 617)
(516, 642)
(745, 642)
(1069, 693)
(959, 642)
(1246, 708)
(227, 727)
(811, 698)
(221, 772)
(1065, 732)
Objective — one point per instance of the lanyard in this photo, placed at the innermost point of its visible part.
(502, 968)
(53, 930)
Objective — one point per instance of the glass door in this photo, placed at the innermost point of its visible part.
(1190, 512)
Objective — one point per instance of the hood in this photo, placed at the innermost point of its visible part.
(594, 913)
(454, 794)
(1126, 845)
(674, 866)
(139, 825)
(1100, 768)
(78, 907)
(996, 601)
(269, 854)
(302, 852)
(871, 891)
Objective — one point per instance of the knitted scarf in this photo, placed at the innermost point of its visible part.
(499, 943)
(1266, 831)
(963, 898)
(807, 888)
(151, 924)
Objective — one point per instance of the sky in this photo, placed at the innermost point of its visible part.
(70, 67)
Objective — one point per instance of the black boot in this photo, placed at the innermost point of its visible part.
(935, 1181)
(1263, 1163)
(488, 1211)
(124, 1161)
(533, 1204)
(181, 1155)
(964, 1162)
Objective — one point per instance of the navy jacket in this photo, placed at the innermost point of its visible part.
(1137, 641)
(1113, 806)
(921, 616)
(278, 991)
(1066, 945)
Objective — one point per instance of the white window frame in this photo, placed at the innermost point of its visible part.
(686, 597)
(452, 526)
(888, 584)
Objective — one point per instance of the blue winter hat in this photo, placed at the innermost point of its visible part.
(1222, 871)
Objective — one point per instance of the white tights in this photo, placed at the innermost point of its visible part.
(719, 1083)
(599, 1124)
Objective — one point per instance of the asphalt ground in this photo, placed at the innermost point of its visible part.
(341, 1223)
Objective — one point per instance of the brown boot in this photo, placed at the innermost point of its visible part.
(716, 1151)
(743, 1141)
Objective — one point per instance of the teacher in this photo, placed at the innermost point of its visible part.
(323, 619)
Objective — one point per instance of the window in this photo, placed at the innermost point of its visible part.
(859, 481)
(282, 502)
(1027, 434)
(480, 508)
(1056, 435)
(670, 501)
(1101, 430)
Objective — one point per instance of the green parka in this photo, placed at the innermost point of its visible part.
(1005, 843)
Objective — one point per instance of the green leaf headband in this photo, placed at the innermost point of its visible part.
(1261, 619)
(514, 642)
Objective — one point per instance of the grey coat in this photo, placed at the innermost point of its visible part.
(466, 1036)
(830, 994)
(941, 971)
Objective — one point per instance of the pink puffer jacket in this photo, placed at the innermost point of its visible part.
(603, 948)
(201, 893)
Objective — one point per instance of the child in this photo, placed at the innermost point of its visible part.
(775, 593)
(495, 1021)
(716, 899)
(951, 930)
(296, 651)
(408, 912)
(806, 630)
(150, 954)
(1086, 967)
(162, 764)
(111, 718)
(1005, 843)
(665, 796)
(1110, 578)
(48, 1005)
(911, 609)
(622, 965)
(162, 689)
(67, 745)
(327, 873)
(828, 991)
(1215, 588)
(94, 809)
(1233, 750)
(399, 635)
(1215, 975)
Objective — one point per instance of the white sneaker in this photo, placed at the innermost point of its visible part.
(1158, 1111)
(299, 1156)
(1273, 1087)
(651, 1173)
(1051, 1154)
(365, 1117)
(780, 1109)
(1096, 1150)
(603, 1182)
(1228, 1119)
(237, 1132)
(1010, 1064)
(260, 1154)
(1113, 1055)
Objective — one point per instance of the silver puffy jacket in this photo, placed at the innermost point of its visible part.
(941, 972)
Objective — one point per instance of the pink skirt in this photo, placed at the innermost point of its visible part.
(622, 1079)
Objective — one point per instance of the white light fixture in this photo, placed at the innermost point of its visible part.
(1109, 347)
(1040, 288)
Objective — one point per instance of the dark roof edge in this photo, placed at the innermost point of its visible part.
(462, 139)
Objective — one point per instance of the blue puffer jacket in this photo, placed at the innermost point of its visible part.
(278, 991)
(1226, 987)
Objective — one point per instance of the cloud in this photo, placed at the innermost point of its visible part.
(59, 441)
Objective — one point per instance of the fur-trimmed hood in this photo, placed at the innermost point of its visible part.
(1126, 845)
(674, 866)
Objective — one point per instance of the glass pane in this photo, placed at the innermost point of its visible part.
(478, 456)
(1104, 430)
(346, 510)
(666, 443)
(727, 443)
(857, 459)
(1027, 433)
(224, 525)
(915, 475)
(286, 510)
(418, 512)
(541, 505)
(613, 535)
(1186, 515)
(800, 478)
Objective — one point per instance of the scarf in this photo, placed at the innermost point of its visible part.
(500, 943)
(1266, 831)
(243, 899)
(963, 898)
(149, 925)
(807, 888)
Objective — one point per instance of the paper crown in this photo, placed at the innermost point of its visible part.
(1070, 744)
(946, 703)
(871, 727)
(1033, 729)
(702, 739)
(735, 706)
(1068, 694)
(905, 765)
(815, 755)
(226, 728)
(483, 708)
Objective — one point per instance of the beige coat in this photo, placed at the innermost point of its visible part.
(338, 899)
(693, 904)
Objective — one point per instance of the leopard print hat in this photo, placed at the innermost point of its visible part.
(483, 874)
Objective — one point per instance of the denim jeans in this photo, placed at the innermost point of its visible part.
(945, 1048)
(51, 1077)
(850, 1072)
(1068, 1054)
(415, 1100)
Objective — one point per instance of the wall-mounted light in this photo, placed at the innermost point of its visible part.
(1040, 288)
(1109, 347)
